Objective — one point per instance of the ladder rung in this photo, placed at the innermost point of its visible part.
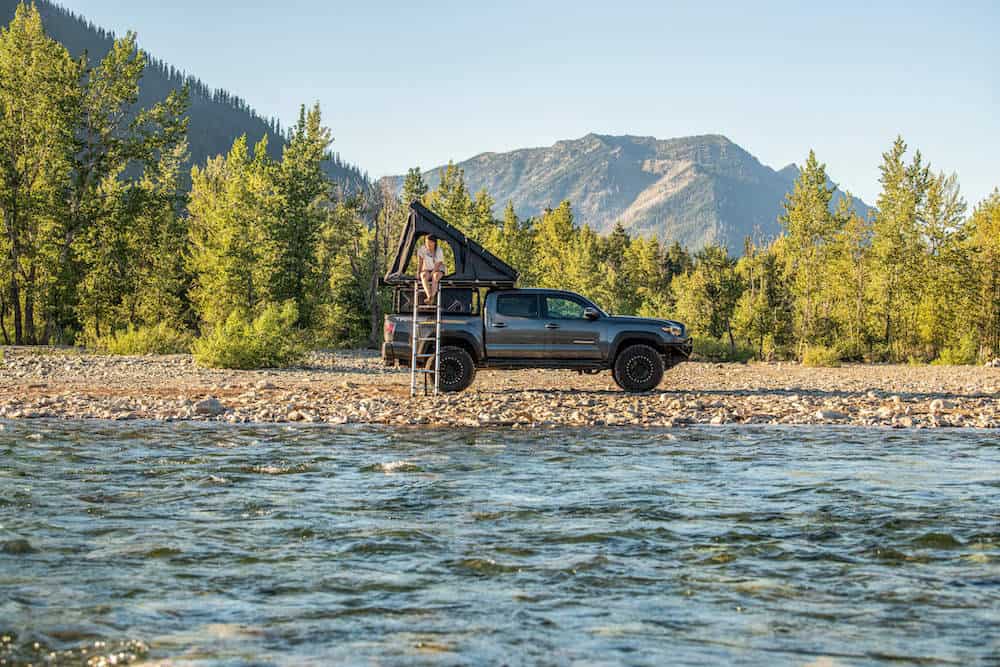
(425, 356)
(424, 340)
(419, 370)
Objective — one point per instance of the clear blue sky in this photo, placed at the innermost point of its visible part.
(415, 83)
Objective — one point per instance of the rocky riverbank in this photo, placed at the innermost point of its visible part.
(353, 387)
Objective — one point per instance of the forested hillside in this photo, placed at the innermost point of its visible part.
(696, 190)
(217, 117)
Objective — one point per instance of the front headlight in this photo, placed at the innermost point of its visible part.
(675, 330)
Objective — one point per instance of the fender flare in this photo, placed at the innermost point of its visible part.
(629, 337)
(466, 340)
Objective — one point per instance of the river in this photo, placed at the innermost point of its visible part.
(223, 545)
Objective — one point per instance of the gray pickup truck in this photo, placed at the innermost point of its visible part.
(542, 328)
(487, 323)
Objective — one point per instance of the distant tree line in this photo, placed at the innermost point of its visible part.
(264, 255)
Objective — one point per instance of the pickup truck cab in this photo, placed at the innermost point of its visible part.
(542, 328)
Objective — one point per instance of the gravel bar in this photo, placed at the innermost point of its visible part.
(353, 388)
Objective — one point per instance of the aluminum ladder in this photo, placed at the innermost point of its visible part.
(419, 337)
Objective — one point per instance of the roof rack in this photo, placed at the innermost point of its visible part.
(475, 266)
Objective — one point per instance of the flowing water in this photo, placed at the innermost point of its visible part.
(194, 544)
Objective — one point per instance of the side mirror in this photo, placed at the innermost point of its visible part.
(591, 314)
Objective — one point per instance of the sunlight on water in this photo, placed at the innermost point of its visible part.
(188, 544)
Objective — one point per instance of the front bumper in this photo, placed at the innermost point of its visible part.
(680, 348)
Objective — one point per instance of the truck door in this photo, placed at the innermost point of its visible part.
(514, 329)
(570, 334)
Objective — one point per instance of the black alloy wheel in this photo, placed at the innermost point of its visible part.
(638, 368)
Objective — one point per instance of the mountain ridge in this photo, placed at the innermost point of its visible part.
(698, 189)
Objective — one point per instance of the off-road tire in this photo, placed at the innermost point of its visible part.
(457, 369)
(638, 368)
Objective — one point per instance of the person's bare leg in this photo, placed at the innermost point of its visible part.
(436, 282)
(425, 280)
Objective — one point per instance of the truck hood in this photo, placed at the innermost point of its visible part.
(631, 319)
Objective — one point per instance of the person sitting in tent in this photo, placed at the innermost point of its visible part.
(431, 269)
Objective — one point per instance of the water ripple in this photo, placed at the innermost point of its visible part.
(208, 544)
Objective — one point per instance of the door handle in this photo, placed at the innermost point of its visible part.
(499, 325)
(551, 325)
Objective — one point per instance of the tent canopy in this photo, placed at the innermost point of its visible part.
(475, 266)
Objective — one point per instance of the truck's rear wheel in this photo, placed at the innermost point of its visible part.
(638, 368)
(457, 369)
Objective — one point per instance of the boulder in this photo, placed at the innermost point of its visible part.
(211, 407)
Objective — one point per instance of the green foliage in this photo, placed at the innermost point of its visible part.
(707, 297)
(293, 233)
(88, 183)
(964, 352)
(713, 349)
(763, 313)
(39, 94)
(270, 340)
(982, 275)
(810, 229)
(821, 356)
(156, 339)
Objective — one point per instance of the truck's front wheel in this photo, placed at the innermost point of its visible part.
(457, 369)
(638, 368)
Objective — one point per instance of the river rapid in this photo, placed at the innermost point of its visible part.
(190, 544)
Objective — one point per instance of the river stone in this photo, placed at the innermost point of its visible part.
(16, 547)
(939, 404)
(209, 406)
(830, 415)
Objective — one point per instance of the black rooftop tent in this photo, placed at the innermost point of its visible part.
(475, 266)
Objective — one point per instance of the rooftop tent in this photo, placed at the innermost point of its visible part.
(475, 266)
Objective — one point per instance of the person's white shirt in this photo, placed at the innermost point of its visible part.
(429, 260)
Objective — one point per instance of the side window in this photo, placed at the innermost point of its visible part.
(517, 305)
(561, 308)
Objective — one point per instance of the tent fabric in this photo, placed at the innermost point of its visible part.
(474, 264)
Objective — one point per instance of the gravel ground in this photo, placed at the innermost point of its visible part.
(353, 387)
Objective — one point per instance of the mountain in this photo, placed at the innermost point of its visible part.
(217, 117)
(697, 190)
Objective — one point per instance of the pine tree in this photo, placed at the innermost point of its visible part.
(897, 253)
(554, 239)
(482, 222)
(164, 281)
(983, 247)
(38, 95)
(514, 242)
(763, 314)
(943, 301)
(644, 262)
(235, 201)
(707, 296)
(451, 199)
(293, 235)
(810, 229)
(850, 276)
(414, 187)
(106, 231)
